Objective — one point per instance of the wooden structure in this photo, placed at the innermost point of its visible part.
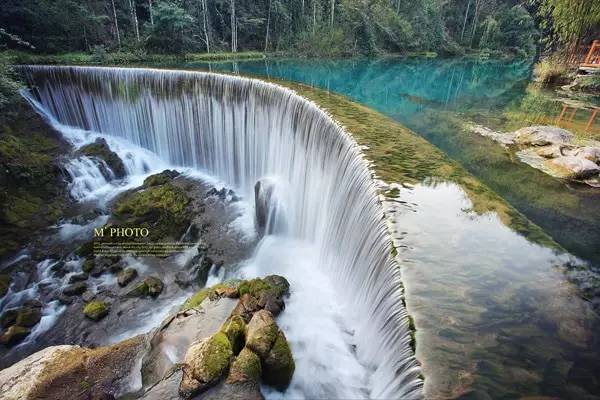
(592, 60)
(567, 115)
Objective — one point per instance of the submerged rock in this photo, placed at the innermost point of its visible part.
(96, 310)
(126, 276)
(574, 167)
(99, 149)
(205, 364)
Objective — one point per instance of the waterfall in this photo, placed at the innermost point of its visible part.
(243, 131)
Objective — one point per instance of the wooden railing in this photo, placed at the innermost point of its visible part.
(592, 60)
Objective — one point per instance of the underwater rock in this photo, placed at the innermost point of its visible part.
(73, 372)
(574, 167)
(96, 310)
(99, 149)
(161, 178)
(75, 289)
(126, 276)
(205, 364)
(150, 286)
(542, 135)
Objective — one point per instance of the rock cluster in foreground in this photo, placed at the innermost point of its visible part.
(232, 345)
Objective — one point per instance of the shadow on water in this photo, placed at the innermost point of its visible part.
(435, 97)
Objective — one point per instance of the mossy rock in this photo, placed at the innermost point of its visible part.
(163, 210)
(227, 288)
(5, 282)
(86, 249)
(279, 365)
(28, 317)
(150, 286)
(88, 265)
(235, 329)
(14, 334)
(96, 310)
(75, 289)
(261, 333)
(9, 318)
(206, 363)
(245, 367)
(273, 284)
(161, 178)
(126, 276)
(99, 149)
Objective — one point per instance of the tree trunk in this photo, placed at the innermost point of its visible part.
(116, 23)
(134, 19)
(205, 23)
(233, 28)
(268, 26)
(462, 33)
(150, 12)
(475, 17)
(314, 16)
(332, 12)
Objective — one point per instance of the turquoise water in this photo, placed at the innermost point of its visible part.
(434, 97)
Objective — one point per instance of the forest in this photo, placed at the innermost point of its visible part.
(301, 27)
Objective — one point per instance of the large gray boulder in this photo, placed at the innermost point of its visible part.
(572, 167)
(542, 135)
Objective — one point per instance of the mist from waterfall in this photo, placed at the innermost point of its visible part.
(243, 131)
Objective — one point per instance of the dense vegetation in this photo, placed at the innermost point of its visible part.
(309, 27)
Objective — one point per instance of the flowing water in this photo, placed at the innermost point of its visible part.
(346, 318)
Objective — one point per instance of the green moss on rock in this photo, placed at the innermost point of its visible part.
(261, 333)
(235, 329)
(96, 310)
(28, 317)
(150, 286)
(245, 367)
(14, 335)
(126, 276)
(99, 149)
(161, 178)
(279, 365)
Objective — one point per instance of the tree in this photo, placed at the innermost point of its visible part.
(169, 32)
(572, 19)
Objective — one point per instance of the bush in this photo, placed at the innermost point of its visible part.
(551, 71)
(9, 88)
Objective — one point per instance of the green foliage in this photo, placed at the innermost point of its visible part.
(550, 71)
(9, 89)
(170, 31)
(572, 19)
(511, 29)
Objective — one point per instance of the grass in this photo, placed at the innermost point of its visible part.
(551, 71)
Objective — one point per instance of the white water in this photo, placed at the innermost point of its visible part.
(335, 249)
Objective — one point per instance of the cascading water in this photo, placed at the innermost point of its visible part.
(243, 131)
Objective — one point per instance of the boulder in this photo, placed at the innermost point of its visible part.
(588, 152)
(126, 276)
(75, 289)
(261, 333)
(73, 372)
(206, 363)
(100, 150)
(150, 286)
(80, 277)
(245, 367)
(279, 366)
(542, 135)
(553, 151)
(161, 178)
(574, 167)
(96, 310)
(246, 307)
(27, 316)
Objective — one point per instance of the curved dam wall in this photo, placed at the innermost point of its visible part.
(243, 131)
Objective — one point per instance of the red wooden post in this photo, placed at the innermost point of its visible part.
(562, 113)
(592, 59)
(572, 116)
